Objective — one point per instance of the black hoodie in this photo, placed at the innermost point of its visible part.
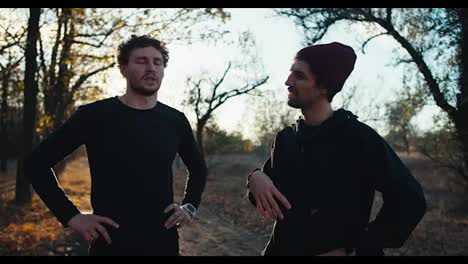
(329, 174)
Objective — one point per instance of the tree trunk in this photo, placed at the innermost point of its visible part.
(3, 164)
(461, 120)
(58, 120)
(23, 186)
(59, 117)
(406, 142)
(5, 150)
(55, 94)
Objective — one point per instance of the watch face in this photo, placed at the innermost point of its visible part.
(191, 208)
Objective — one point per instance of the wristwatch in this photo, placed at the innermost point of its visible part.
(189, 208)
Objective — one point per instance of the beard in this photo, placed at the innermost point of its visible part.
(301, 101)
(141, 90)
(294, 102)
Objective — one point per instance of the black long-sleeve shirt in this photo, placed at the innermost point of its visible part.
(130, 154)
(329, 174)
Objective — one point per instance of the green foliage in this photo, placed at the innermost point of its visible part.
(442, 147)
(401, 111)
(272, 114)
(219, 141)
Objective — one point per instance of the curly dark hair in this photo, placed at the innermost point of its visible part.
(124, 49)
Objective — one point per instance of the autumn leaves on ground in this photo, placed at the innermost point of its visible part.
(227, 225)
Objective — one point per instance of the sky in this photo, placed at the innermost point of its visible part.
(277, 40)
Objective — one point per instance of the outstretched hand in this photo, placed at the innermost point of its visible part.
(265, 192)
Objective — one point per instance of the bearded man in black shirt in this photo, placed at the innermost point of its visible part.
(319, 181)
(131, 142)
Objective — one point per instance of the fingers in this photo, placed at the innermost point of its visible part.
(169, 208)
(185, 218)
(91, 228)
(94, 234)
(265, 193)
(106, 220)
(88, 237)
(274, 205)
(260, 206)
(104, 233)
(266, 203)
(281, 198)
(173, 219)
(267, 207)
(180, 219)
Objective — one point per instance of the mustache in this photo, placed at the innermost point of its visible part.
(149, 75)
(292, 90)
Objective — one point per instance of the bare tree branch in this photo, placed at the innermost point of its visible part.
(16, 38)
(326, 17)
(197, 101)
(348, 98)
(369, 39)
(83, 78)
(389, 15)
(222, 98)
(216, 85)
(100, 44)
(205, 106)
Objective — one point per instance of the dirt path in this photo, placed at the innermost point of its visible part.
(210, 235)
(214, 233)
(227, 225)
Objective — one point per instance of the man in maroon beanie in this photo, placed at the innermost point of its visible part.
(318, 183)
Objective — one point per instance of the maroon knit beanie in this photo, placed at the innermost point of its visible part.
(332, 63)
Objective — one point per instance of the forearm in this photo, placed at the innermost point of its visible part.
(267, 170)
(55, 148)
(197, 170)
(404, 202)
(47, 188)
(196, 181)
(397, 219)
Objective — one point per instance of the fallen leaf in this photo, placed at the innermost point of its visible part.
(28, 227)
